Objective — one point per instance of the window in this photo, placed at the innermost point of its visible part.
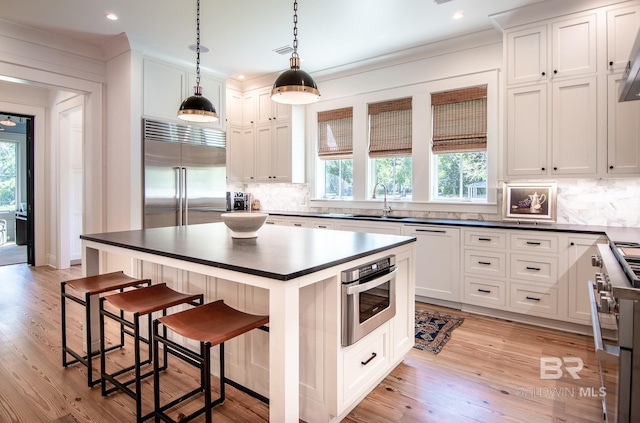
(459, 144)
(335, 150)
(8, 177)
(390, 137)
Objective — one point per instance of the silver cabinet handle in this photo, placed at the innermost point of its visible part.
(356, 289)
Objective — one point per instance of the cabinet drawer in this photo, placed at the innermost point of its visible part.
(534, 242)
(485, 239)
(301, 223)
(534, 299)
(484, 292)
(485, 263)
(365, 361)
(534, 268)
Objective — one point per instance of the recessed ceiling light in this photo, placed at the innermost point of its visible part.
(458, 15)
(111, 16)
(240, 76)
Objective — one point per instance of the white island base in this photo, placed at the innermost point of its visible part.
(300, 363)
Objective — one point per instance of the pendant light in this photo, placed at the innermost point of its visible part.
(197, 108)
(295, 86)
(7, 121)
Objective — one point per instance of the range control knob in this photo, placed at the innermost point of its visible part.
(607, 303)
(602, 283)
(596, 260)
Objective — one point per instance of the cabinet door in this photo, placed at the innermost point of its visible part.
(574, 128)
(249, 109)
(248, 155)
(622, 26)
(437, 261)
(264, 153)
(164, 89)
(234, 153)
(234, 108)
(527, 55)
(623, 126)
(574, 46)
(264, 107)
(281, 159)
(527, 130)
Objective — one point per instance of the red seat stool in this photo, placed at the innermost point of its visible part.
(89, 286)
(210, 324)
(140, 302)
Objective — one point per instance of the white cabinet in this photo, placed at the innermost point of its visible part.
(623, 155)
(622, 23)
(574, 119)
(164, 89)
(234, 107)
(240, 154)
(437, 261)
(273, 152)
(249, 108)
(564, 47)
(165, 86)
(369, 227)
(572, 113)
(267, 110)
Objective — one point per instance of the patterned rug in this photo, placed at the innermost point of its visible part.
(433, 330)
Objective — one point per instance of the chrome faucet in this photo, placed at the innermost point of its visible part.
(386, 210)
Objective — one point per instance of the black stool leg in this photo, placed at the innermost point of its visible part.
(103, 371)
(156, 372)
(63, 322)
(206, 380)
(87, 309)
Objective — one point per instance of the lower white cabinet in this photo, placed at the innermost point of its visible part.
(437, 261)
(370, 227)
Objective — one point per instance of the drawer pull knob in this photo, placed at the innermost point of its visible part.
(297, 224)
(533, 298)
(322, 226)
(537, 269)
(486, 263)
(533, 243)
(486, 291)
(484, 239)
(373, 355)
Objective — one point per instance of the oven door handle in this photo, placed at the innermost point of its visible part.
(356, 289)
(604, 351)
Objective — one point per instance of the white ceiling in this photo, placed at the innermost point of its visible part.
(243, 34)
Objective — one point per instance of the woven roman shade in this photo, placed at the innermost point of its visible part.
(460, 120)
(390, 128)
(335, 133)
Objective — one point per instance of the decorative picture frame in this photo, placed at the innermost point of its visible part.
(529, 201)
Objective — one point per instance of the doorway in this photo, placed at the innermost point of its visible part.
(17, 237)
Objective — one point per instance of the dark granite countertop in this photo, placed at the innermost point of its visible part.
(615, 233)
(279, 252)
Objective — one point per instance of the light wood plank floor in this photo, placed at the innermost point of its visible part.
(488, 372)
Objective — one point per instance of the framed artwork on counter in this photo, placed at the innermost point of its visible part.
(529, 201)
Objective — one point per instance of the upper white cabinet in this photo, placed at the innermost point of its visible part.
(623, 155)
(165, 86)
(527, 130)
(561, 48)
(234, 107)
(269, 141)
(622, 25)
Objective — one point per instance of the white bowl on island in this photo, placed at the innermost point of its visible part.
(244, 224)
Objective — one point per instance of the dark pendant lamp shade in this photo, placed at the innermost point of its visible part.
(197, 108)
(295, 86)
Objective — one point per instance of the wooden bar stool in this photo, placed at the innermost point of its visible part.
(89, 286)
(210, 324)
(140, 302)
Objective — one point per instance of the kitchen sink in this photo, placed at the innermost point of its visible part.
(369, 216)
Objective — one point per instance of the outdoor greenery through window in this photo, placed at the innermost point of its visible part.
(390, 138)
(335, 149)
(459, 144)
(8, 180)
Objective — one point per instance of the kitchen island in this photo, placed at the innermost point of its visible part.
(293, 274)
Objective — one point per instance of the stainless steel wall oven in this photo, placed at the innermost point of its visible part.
(368, 298)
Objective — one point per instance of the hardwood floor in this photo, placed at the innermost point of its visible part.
(489, 371)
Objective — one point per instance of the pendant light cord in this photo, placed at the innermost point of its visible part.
(198, 44)
(295, 29)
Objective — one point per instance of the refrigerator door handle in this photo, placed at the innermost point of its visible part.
(186, 197)
(179, 194)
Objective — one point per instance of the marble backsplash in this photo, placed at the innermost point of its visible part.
(602, 202)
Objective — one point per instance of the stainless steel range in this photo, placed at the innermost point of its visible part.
(615, 291)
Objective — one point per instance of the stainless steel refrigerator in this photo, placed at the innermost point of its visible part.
(184, 174)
